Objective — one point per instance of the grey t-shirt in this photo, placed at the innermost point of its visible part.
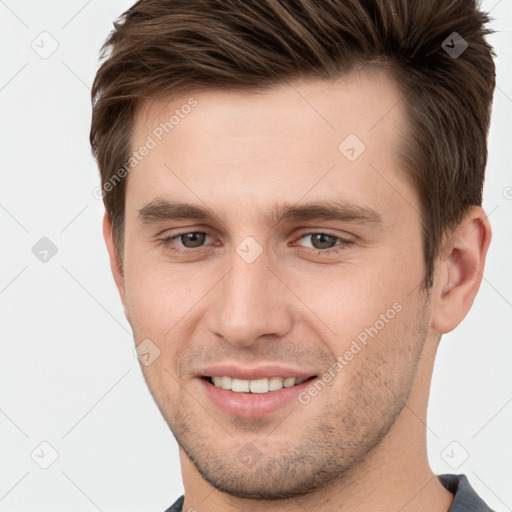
(465, 498)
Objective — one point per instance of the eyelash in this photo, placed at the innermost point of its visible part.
(342, 244)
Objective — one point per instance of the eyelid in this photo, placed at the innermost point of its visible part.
(182, 230)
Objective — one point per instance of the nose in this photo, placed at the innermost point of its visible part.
(250, 303)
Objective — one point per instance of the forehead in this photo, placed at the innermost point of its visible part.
(360, 102)
(307, 137)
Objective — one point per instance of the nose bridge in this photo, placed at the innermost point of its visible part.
(250, 302)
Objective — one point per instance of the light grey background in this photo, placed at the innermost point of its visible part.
(68, 376)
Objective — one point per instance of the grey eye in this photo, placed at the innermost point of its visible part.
(191, 240)
(321, 240)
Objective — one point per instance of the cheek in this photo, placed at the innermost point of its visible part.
(377, 366)
(158, 296)
(164, 306)
(157, 303)
(351, 299)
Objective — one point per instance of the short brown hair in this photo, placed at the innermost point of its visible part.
(163, 48)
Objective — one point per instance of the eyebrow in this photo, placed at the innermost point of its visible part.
(160, 210)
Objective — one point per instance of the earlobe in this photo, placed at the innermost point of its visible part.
(115, 265)
(460, 270)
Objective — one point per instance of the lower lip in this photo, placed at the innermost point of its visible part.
(252, 405)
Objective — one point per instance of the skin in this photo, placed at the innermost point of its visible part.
(360, 444)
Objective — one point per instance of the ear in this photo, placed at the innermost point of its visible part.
(460, 269)
(115, 265)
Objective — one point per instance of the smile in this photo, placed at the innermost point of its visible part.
(254, 398)
(264, 385)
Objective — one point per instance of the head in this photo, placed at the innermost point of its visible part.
(268, 121)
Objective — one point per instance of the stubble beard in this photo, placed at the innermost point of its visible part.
(330, 447)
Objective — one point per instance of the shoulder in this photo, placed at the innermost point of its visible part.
(465, 498)
(177, 506)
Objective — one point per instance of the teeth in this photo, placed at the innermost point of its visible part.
(275, 383)
(289, 382)
(257, 385)
(240, 386)
(226, 382)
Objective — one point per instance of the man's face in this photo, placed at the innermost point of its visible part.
(269, 287)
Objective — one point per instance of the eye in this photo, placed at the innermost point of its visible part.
(321, 242)
(189, 240)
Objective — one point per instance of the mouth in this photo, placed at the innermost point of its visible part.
(254, 391)
(255, 398)
(256, 386)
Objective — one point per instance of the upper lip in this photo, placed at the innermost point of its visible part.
(253, 373)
